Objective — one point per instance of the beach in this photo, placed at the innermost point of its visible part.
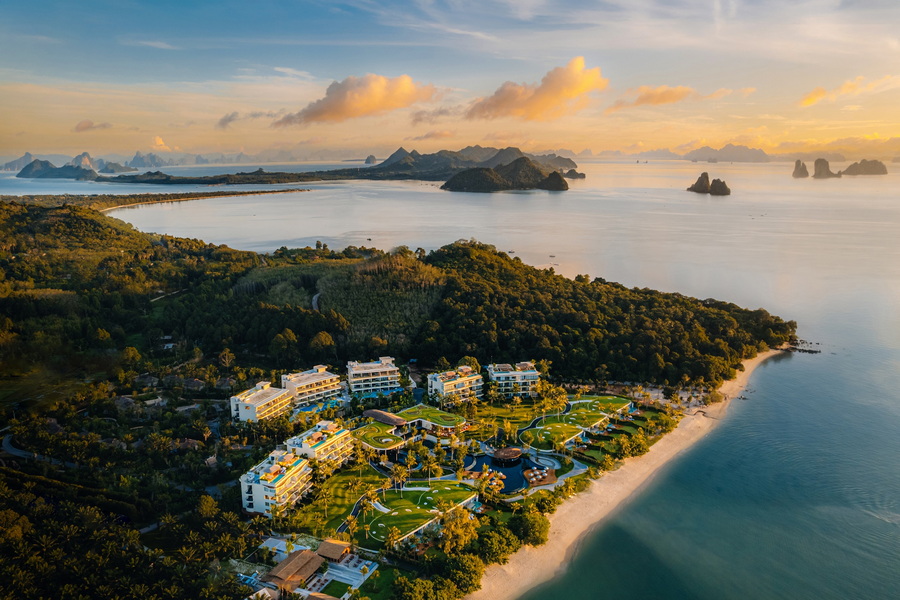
(576, 517)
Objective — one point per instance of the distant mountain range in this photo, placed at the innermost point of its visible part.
(461, 159)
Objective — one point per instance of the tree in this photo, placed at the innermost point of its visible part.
(532, 528)
(497, 545)
(322, 344)
(399, 475)
(464, 570)
(131, 356)
(430, 466)
(393, 536)
(324, 497)
(226, 358)
(458, 529)
(470, 361)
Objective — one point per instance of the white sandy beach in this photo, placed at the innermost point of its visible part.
(579, 515)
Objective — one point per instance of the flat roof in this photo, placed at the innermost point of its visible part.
(256, 397)
(311, 376)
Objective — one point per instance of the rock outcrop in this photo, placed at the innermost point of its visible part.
(573, 174)
(719, 188)
(20, 163)
(800, 170)
(866, 167)
(371, 160)
(701, 186)
(44, 169)
(822, 170)
(554, 182)
(114, 167)
(520, 174)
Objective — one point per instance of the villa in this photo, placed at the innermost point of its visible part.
(278, 481)
(312, 386)
(294, 571)
(519, 379)
(463, 383)
(371, 378)
(261, 402)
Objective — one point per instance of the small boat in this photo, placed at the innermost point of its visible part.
(552, 256)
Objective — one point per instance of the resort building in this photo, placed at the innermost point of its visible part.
(432, 422)
(371, 378)
(294, 571)
(312, 386)
(387, 431)
(326, 441)
(261, 402)
(515, 380)
(278, 481)
(464, 383)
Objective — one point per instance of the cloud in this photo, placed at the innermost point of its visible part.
(562, 91)
(226, 121)
(88, 125)
(361, 97)
(432, 116)
(433, 135)
(154, 44)
(655, 96)
(294, 72)
(851, 87)
(160, 145)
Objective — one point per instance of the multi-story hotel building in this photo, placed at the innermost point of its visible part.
(261, 402)
(278, 481)
(314, 385)
(326, 441)
(464, 382)
(522, 377)
(370, 378)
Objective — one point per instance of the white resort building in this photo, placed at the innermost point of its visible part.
(312, 386)
(260, 402)
(326, 441)
(519, 379)
(371, 378)
(464, 382)
(278, 481)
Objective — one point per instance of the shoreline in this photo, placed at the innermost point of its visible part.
(578, 516)
(212, 195)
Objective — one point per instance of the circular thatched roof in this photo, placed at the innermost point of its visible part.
(508, 453)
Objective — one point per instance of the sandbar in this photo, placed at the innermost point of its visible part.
(577, 516)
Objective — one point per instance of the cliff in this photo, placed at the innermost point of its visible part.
(520, 174)
(823, 170)
(800, 170)
(701, 186)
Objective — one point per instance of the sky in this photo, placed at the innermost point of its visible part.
(364, 76)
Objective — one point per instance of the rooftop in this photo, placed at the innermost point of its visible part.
(260, 394)
(295, 569)
(275, 466)
(384, 417)
(464, 371)
(432, 415)
(378, 365)
(322, 432)
(316, 374)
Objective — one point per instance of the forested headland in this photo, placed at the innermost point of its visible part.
(119, 349)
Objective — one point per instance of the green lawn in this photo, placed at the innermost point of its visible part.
(336, 588)
(378, 436)
(380, 584)
(412, 509)
(432, 414)
(344, 494)
(553, 431)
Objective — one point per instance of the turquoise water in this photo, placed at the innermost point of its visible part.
(797, 493)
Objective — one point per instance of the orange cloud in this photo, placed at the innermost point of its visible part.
(562, 91)
(360, 97)
(88, 125)
(160, 145)
(433, 135)
(654, 96)
(664, 94)
(851, 87)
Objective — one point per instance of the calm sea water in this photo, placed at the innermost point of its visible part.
(797, 494)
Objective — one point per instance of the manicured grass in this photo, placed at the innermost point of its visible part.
(432, 414)
(378, 436)
(344, 494)
(412, 509)
(380, 587)
(551, 432)
(336, 588)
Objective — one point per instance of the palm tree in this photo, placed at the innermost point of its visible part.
(393, 536)
(324, 496)
(352, 525)
(430, 466)
(399, 474)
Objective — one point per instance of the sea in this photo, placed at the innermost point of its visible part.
(796, 495)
